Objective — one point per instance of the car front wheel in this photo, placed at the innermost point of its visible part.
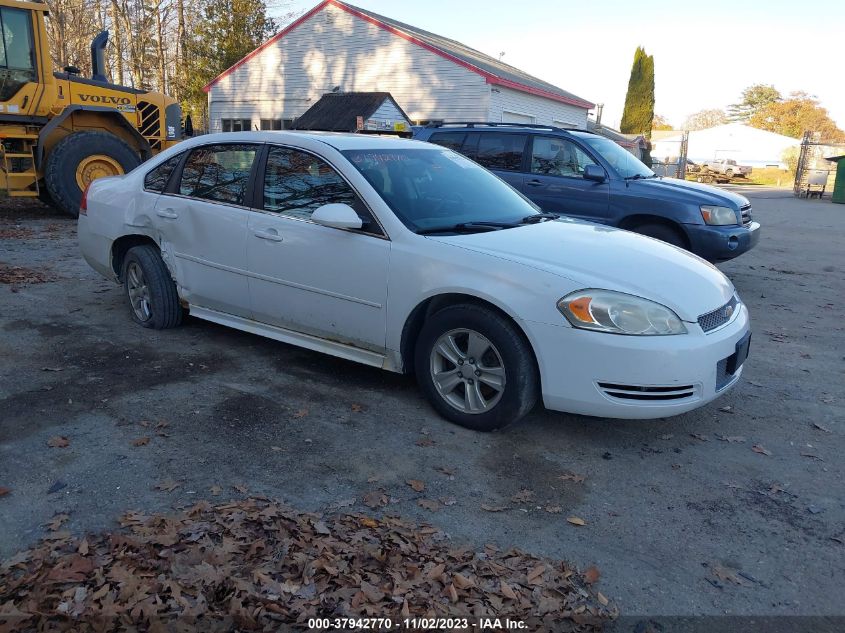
(476, 368)
(150, 291)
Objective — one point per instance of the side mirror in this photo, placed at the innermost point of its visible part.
(594, 173)
(338, 216)
(189, 126)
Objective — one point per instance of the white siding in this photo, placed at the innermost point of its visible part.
(388, 113)
(505, 102)
(334, 48)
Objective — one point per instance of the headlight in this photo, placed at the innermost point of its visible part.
(718, 216)
(619, 313)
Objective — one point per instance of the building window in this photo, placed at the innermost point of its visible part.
(236, 125)
(271, 124)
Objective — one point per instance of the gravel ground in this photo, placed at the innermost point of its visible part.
(683, 516)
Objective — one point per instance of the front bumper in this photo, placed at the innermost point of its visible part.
(719, 243)
(634, 377)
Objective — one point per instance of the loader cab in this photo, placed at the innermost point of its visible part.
(18, 66)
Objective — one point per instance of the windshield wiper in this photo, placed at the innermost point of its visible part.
(639, 177)
(539, 217)
(467, 227)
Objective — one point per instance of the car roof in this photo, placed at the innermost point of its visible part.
(338, 140)
(518, 128)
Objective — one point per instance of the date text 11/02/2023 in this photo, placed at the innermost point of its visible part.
(434, 624)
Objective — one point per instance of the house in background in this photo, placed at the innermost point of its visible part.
(355, 112)
(745, 144)
(339, 47)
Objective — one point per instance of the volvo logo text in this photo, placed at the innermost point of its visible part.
(111, 100)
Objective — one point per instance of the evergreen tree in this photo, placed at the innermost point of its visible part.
(638, 115)
(754, 99)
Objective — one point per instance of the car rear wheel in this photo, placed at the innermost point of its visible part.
(663, 233)
(150, 290)
(476, 368)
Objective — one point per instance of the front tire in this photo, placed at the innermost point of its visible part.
(150, 290)
(81, 157)
(476, 368)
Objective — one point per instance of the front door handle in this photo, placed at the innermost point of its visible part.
(269, 234)
(170, 214)
(534, 183)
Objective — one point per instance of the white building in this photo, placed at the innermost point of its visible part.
(745, 144)
(339, 47)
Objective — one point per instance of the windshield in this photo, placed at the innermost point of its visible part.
(430, 188)
(624, 162)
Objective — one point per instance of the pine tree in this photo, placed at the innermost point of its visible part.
(638, 115)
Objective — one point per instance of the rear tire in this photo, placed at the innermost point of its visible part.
(663, 233)
(150, 290)
(496, 389)
(68, 155)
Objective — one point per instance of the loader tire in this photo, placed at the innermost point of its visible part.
(76, 150)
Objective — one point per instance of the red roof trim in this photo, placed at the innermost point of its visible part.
(489, 77)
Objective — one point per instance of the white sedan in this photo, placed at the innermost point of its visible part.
(409, 257)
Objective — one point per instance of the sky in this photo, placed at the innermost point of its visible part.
(705, 53)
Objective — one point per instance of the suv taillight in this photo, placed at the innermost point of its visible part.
(83, 204)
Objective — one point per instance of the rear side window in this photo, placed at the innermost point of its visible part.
(452, 140)
(501, 151)
(157, 179)
(218, 172)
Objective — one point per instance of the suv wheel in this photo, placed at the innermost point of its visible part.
(150, 290)
(476, 368)
(663, 233)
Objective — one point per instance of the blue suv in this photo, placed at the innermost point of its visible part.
(585, 175)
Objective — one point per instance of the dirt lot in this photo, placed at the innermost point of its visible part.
(735, 508)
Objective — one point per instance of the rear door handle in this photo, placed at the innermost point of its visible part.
(534, 183)
(170, 214)
(269, 234)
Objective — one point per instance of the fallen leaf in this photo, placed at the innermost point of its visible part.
(759, 449)
(344, 503)
(602, 598)
(368, 522)
(416, 484)
(812, 456)
(461, 581)
(490, 508)
(215, 490)
(141, 441)
(241, 488)
(357, 408)
(424, 441)
(700, 437)
(435, 572)
(591, 574)
(576, 520)
(372, 479)
(733, 439)
(276, 448)
(449, 472)
(667, 436)
(320, 528)
(506, 590)
(821, 427)
(428, 504)
(578, 479)
(301, 413)
(168, 485)
(56, 522)
(453, 594)
(83, 547)
(375, 499)
(727, 409)
(554, 509)
(4, 491)
(58, 441)
(536, 573)
(523, 496)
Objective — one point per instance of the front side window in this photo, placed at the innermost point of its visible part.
(296, 183)
(501, 151)
(157, 179)
(218, 172)
(621, 160)
(551, 156)
(17, 66)
(428, 188)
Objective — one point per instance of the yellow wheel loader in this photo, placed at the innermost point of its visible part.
(58, 130)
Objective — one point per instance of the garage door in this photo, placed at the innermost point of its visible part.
(516, 117)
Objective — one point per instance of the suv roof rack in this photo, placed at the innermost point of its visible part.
(536, 126)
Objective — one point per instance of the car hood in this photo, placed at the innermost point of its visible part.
(596, 256)
(672, 188)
